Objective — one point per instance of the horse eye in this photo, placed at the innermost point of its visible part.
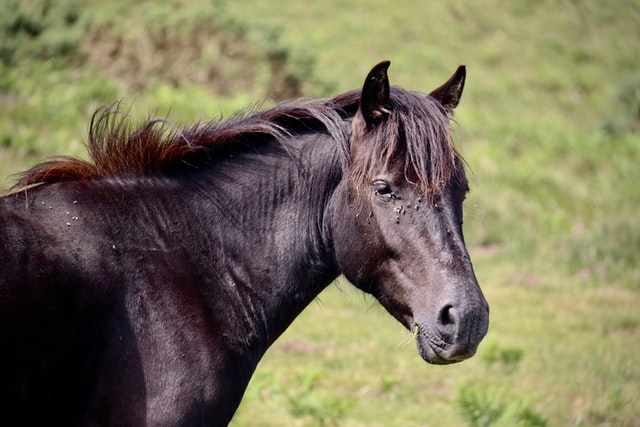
(383, 190)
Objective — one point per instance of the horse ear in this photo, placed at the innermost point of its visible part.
(449, 93)
(374, 100)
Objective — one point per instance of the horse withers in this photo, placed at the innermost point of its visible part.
(143, 286)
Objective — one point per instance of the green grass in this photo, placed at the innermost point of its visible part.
(549, 124)
(555, 353)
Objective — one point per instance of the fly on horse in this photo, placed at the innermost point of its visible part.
(142, 286)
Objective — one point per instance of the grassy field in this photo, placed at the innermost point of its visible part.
(549, 124)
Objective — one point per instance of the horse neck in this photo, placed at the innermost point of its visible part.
(274, 254)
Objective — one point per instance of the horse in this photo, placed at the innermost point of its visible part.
(142, 286)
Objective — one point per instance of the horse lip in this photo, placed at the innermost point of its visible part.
(433, 353)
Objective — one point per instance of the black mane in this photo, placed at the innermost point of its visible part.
(116, 148)
(417, 130)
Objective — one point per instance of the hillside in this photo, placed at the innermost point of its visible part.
(549, 125)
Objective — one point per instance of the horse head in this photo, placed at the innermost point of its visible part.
(399, 236)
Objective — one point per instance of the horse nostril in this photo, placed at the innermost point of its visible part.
(447, 316)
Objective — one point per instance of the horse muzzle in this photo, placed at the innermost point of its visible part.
(455, 334)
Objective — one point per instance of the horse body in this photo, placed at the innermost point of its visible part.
(139, 299)
(159, 279)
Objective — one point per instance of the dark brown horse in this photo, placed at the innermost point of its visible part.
(143, 287)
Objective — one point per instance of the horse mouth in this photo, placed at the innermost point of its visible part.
(437, 352)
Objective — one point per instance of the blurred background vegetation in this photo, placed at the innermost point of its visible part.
(549, 124)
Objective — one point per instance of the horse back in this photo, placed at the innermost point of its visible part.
(93, 331)
(55, 325)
